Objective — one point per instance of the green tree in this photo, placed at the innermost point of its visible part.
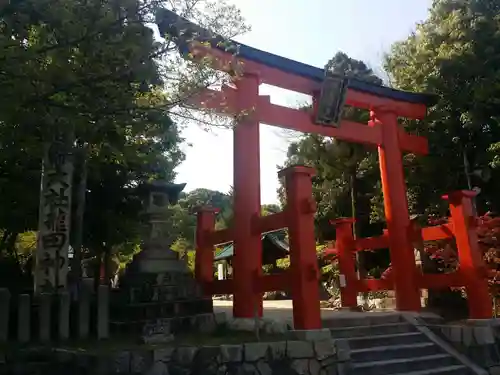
(94, 69)
(454, 54)
(185, 215)
(269, 209)
(92, 84)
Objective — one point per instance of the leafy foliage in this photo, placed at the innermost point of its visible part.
(454, 54)
(185, 217)
(84, 68)
(94, 69)
(487, 230)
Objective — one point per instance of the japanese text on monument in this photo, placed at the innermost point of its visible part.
(54, 218)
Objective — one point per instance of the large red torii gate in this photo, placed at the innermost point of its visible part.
(255, 67)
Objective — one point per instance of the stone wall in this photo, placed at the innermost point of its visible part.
(259, 358)
(287, 357)
(477, 339)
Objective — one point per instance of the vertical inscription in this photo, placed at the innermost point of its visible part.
(54, 217)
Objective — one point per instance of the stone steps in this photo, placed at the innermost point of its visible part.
(380, 329)
(383, 340)
(388, 345)
(362, 319)
(402, 365)
(448, 370)
(394, 351)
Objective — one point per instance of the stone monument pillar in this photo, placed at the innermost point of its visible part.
(51, 269)
(158, 293)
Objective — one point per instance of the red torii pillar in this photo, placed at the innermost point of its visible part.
(396, 211)
(304, 277)
(247, 260)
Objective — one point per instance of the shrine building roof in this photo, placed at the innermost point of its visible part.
(273, 248)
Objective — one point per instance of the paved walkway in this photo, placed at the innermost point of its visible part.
(282, 309)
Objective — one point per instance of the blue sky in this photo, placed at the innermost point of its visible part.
(310, 31)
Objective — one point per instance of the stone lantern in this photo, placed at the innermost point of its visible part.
(156, 255)
(158, 292)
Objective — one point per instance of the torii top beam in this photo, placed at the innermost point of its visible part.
(289, 74)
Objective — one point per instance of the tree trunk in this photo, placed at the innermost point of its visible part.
(10, 244)
(107, 265)
(354, 202)
(97, 271)
(4, 239)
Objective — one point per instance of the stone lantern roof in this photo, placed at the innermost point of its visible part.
(169, 190)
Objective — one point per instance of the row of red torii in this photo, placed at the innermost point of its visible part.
(385, 105)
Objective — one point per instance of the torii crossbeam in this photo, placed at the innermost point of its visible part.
(255, 67)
